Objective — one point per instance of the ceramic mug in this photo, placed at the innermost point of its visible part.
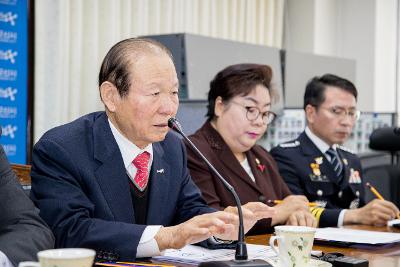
(294, 243)
(63, 257)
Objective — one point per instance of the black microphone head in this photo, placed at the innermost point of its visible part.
(171, 122)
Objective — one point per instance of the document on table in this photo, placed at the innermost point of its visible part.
(356, 236)
(194, 254)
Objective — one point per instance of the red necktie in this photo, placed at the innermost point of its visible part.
(141, 163)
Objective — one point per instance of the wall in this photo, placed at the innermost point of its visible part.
(364, 30)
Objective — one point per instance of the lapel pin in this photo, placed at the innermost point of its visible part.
(319, 160)
(160, 171)
(260, 166)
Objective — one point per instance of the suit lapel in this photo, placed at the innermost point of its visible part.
(311, 151)
(111, 173)
(159, 184)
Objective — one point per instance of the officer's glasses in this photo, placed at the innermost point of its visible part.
(342, 113)
(252, 113)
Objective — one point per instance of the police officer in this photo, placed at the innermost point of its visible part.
(315, 165)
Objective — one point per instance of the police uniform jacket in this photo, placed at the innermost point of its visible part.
(308, 172)
(268, 182)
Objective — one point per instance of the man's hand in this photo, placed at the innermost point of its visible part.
(294, 210)
(199, 228)
(252, 212)
(377, 212)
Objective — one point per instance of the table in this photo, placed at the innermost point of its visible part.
(377, 256)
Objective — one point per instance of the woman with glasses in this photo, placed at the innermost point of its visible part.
(239, 103)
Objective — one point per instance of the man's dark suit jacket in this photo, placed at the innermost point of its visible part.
(294, 161)
(81, 186)
(22, 232)
(268, 183)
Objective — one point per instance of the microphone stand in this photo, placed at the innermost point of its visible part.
(241, 258)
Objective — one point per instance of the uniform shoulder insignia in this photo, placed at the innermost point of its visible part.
(290, 144)
(346, 149)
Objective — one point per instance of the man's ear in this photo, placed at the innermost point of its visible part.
(219, 106)
(310, 113)
(109, 95)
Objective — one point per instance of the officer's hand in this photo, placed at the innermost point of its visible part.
(377, 212)
(252, 212)
(199, 228)
(302, 218)
(290, 204)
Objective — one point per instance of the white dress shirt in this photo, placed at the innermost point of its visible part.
(246, 166)
(148, 246)
(4, 261)
(323, 147)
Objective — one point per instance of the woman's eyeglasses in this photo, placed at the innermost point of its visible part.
(252, 113)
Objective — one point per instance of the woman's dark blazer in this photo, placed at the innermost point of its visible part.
(268, 182)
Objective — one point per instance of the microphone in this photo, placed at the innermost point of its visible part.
(241, 258)
(385, 139)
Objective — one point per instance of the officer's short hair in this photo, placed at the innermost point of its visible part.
(315, 89)
(238, 79)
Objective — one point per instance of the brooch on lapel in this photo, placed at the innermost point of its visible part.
(260, 166)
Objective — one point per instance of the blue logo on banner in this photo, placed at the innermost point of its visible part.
(9, 131)
(8, 93)
(8, 55)
(14, 78)
(8, 18)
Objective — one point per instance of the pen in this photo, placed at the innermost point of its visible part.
(310, 204)
(376, 193)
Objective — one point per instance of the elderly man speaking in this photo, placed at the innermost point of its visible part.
(117, 181)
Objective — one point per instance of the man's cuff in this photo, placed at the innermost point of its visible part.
(329, 217)
(341, 218)
(4, 261)
(148, 246)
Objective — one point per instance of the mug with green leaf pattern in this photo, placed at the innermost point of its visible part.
(294, 243)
